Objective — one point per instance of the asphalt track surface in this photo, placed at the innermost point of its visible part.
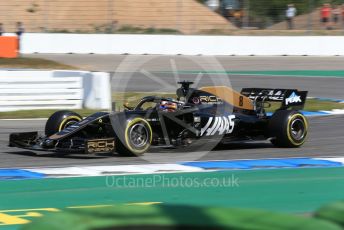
(163, 62)
(139, 72)
(326, 133)
(148, 82)
(325, 139)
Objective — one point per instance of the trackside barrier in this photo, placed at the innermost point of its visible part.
(182, 44)
(58, 89)
(8, 47)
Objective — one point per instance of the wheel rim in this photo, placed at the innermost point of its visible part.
(139, 135)
(298, 129)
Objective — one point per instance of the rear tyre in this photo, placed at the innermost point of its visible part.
(61, 120)
(136, 138)
(288, 128)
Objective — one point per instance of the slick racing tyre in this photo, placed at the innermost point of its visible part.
(136, 137)
(288, 128)
(61, 120)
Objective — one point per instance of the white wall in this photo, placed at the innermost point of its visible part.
(182, 44)
(28, 90)
(97, 90)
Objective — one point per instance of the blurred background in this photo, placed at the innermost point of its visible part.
(237, 17)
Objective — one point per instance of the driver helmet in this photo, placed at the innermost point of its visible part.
(168, 106)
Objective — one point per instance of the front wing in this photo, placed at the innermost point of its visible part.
(31, 141)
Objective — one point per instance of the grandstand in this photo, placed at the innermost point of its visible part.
(185, 16)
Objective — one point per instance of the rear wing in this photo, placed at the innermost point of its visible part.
(287, 97)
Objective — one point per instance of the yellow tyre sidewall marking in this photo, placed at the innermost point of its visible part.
(288, 129)
(66, 119)
(132, 122)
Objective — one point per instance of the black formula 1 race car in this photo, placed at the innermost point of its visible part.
(195, 117)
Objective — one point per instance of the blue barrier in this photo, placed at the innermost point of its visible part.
(15, 174)
(264, 163)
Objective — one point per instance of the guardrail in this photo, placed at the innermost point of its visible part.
(28, 90)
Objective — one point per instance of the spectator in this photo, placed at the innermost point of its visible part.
(325, 15)
(19, 32)
(343, 14)
(290, 14)
(335, 15)
(214, 5)
(113, 26)
(1, 29)
(20, 29)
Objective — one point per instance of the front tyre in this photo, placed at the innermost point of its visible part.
(61, 120)
(288, 128)
(136, 138)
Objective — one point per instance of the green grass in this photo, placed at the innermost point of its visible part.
(41, 113)
(132, 98)
(313, 105)
(316, 105)
(32, 63)
(150, 30)
(126, 29)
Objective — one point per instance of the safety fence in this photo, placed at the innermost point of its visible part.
(28, 90)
